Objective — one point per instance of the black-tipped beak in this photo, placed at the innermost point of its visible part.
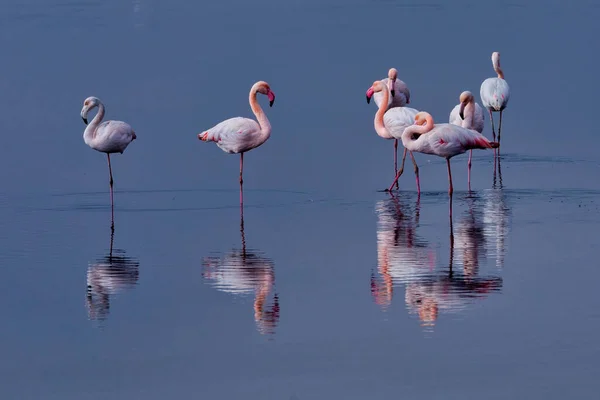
(368, 100)
(271, 103)
(84, 120)
(393, 92)
(462, 115)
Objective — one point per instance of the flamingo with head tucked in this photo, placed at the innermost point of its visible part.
(495, 93)
(390, 124)
(239, 135)
(442, 140)
(400, 97)
(468, 114)
(106, 137)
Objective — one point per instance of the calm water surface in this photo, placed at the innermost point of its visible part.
(327, 288)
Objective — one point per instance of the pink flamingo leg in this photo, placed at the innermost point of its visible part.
(241, 179)
(493, 130)
(396, 159)
(450, 189)
(112, 203)
(399, 173)
(416, 172)
(499, 129)
(469, 172)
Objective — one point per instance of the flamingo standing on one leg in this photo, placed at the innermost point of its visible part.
(495, 93)
(239, 135)
(107, 137)
(442, 140)
(400, 97)
(468, 114)
(390, 124)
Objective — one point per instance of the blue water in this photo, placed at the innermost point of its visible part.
(328, 287)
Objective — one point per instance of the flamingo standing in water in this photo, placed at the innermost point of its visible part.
(107, 137)
(391, 124)
(468, 114)
(400, 97)
(442, 140)
(239, 135)
(495, 93)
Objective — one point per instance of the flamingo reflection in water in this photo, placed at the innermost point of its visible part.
(496, 217)
(108, 276)
(402, 255)
(242, 272)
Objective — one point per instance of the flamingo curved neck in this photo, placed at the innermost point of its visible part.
(379, 125)
(498, 69)
(261, 117)
(469, 115)
(90, 131)
(408, 139)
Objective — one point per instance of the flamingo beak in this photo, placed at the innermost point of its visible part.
(391, 83)
(461, 113)
(369, 95)
(85, 121)
(271, 97)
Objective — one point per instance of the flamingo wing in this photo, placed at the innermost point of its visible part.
(478, 119)
(234, 135)
(113, 136)
(495, 94)
(397, 119)
(447, 140)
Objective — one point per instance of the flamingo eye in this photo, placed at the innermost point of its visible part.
(87, 102)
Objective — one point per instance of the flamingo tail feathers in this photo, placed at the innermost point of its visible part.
(207, 136)
(483, 143)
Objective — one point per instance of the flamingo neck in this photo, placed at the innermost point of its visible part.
(498, 70)
(408, 136)
(379, 125)
(90, 131)
(469, 115)
(261, 117)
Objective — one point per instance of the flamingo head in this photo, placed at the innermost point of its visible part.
(466, 97)
(496, 58)
(421, 118)
(263, 87)
(392, 76)
(88, 104)
(377, 86)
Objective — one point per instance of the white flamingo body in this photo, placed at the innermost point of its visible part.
(106, 137)
(495, 94)
(397, 119)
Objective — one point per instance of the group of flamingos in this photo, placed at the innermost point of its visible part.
(393, 121)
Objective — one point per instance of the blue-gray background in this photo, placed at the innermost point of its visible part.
(314, 219)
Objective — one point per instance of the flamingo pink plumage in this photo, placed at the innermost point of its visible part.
(239, 135)
(442, 140)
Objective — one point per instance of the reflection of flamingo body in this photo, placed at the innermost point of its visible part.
(106, 137)
(243, 272)
(442, 140)
(469, 115)
(239, 135)
(107, 277)
(391, 124)
(495, 93)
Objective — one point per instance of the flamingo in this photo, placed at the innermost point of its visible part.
(468, 114)
(495, 93)
(396, 86)
(442, 140)
(391, 124)
(239, 135)
(106, 137)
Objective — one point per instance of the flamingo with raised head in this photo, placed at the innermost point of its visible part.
(495, 93)
(442, 140)
(106, 137)
(468, 114)
(400, 97)
(391, 124)
(238, 135)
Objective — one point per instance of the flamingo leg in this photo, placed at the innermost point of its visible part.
(241, 179)
(396, 159)
(450, 188)
(499, 128)
(469, 171)
(112, 203)
(493, 130)
(399, 173)
(416, 172)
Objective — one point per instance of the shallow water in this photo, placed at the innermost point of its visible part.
(327, 288)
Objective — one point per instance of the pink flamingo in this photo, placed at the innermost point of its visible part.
(390, 124)
(442, 140)
(239, 135)
(106, 137)
(468, 114)
(400, 97)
